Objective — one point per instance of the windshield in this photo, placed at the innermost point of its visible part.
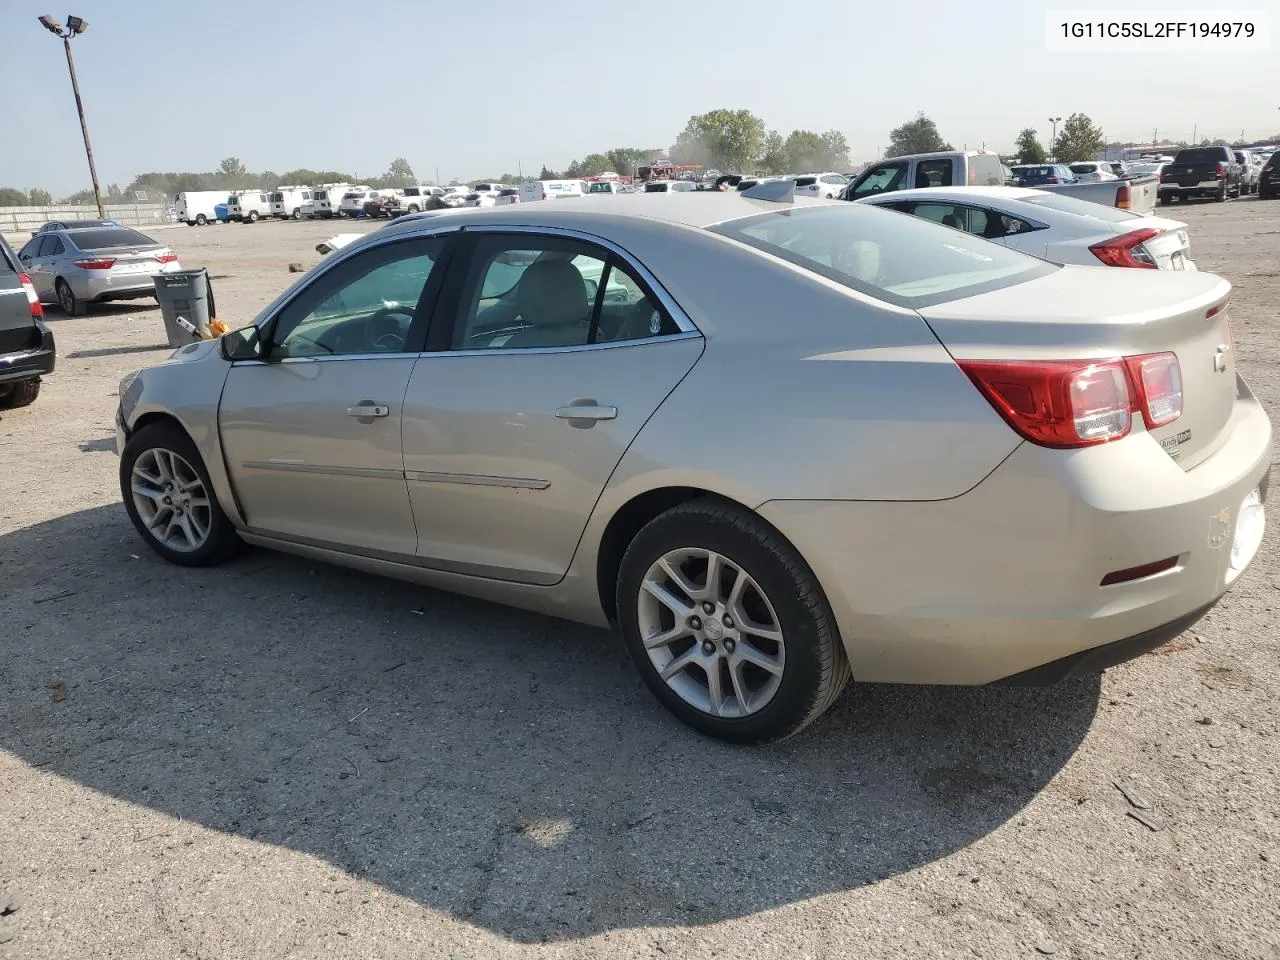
(601, 188)
(110, 237)
(1142, 169)
(656, 187)
(1201, 155)
(902, 260)
(1081, 208)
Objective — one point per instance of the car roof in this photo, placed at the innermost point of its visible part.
(955, 193)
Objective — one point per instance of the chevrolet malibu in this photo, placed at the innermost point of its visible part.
(779, 444)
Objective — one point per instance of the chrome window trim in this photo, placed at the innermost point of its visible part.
(676, 312)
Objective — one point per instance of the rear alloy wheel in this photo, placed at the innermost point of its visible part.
(21, 394)
(297, 213)
(201, 219)
(727, 625)
(67, 300)
(169, 498)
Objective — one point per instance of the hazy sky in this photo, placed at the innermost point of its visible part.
(178, 85)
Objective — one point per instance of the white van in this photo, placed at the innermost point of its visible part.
(531, 190)
(327, 198)
(491, 189)
(248, 206)
(197, 207)
(286, 202)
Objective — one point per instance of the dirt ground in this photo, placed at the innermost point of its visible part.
(283, 759)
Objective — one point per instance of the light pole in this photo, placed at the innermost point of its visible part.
(1053, 138)
(74, 27)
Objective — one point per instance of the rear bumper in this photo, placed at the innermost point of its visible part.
(1006, 578)
(125, 287)
(30, 363)
(1203, 188)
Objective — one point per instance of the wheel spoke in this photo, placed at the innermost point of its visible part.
(734, 603)
(676, 576)
(752, 629)
(711, 590)
(749, 654)
(152, 478)
(197, 503)
(681, 629)
(155, 496)
(659, 592)
(740, 686)
(188, 531)
(714, 690)
(679, 663)
(164, 465)
(161, 515)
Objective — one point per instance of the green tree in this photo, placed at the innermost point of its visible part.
(269, 180)
(727, 139)
(837, 151)
(80, 196)
(1079, 139)
(10, 197)
(804, 151)
(548, 174)
(595, 163)
(1028, 147)
(232, 169)
(624, 160)
(399, 174)
(915, 136)
(40, 198)
(773, 154)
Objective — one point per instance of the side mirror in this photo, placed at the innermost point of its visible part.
(243, 344)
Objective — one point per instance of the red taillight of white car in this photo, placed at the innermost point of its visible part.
(1127, 249)
(102, 263)
(1066, 404)
(166, 258)
(33, 298)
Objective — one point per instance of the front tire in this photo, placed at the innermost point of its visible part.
(252, 217)
(169, 497)
(727, 624)
(21, 394)
(297, 213)
(201, 219)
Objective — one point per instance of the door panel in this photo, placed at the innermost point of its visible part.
(303, 468)
(500, 485)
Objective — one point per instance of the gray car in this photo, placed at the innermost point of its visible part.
(778, 444)
(74, 268)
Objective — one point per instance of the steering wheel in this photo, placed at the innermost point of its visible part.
(387, 333)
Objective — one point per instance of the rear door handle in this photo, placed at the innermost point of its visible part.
(367, 408)
(586, 410)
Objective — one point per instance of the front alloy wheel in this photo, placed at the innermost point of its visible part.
(171, 500)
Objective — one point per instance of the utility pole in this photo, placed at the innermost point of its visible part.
(76, 26)
(1053, 138)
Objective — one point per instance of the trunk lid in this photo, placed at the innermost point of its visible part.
(1105, 313)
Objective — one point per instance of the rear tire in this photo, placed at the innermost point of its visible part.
(71, 305)
(221, 542)
(201, 220)
(252, 217)
(413, 208)
(768, 688)
(21, 394)
(1222, 195)
(297, 213)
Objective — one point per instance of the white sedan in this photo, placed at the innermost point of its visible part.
(1051, 226)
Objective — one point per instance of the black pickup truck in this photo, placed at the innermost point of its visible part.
(1208, 172)
(26, 344)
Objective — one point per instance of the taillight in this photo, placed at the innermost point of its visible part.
(1123, 197)
(1054, 180)
(1067, 404)
(166, 257)
(1126, 249)
(33, 298)
(1158, 377)
(104, 263)
(1222, 171)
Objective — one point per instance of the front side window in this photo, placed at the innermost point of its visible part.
(881, 179)
(524, 292)
(900, 260)
(365, 305)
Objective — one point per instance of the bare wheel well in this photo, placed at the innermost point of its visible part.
(624, 526)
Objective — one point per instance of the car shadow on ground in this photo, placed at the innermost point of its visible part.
(505, 768)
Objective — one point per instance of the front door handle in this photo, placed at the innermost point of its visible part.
(368, 409)
(586, 410)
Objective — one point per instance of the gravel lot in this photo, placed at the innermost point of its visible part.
(278, 758)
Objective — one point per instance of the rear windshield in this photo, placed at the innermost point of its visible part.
(656, 187)
(902, 260)
(1083, 167)
(1200, 155)
(1033, 171)
(412, 192)
(601, 188)
(509, 193)
(277, 197)
(110, 237)
(806, 181)
(1081, 208)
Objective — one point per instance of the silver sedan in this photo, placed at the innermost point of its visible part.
(777, 444)
(76, 267)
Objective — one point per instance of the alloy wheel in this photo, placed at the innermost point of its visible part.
(710, 631)
(171, 500)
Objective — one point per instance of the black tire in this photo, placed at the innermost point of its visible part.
(223, 542)
(191, 223)
(201, 219)
(815, 671)
(297, 213)
(71, 305)
(252, 217)
(413, 208)
(1222, 194)
(21, 394)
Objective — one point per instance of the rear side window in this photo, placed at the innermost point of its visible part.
(901, 260)
(933, 173)
(111, 237)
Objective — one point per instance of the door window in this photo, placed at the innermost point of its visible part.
(881, 179)
(365, 305)
(53, 247)
(528, 293)
(934, 173)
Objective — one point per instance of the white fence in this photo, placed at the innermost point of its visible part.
(23, 220)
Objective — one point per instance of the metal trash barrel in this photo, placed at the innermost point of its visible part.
(185, 294)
